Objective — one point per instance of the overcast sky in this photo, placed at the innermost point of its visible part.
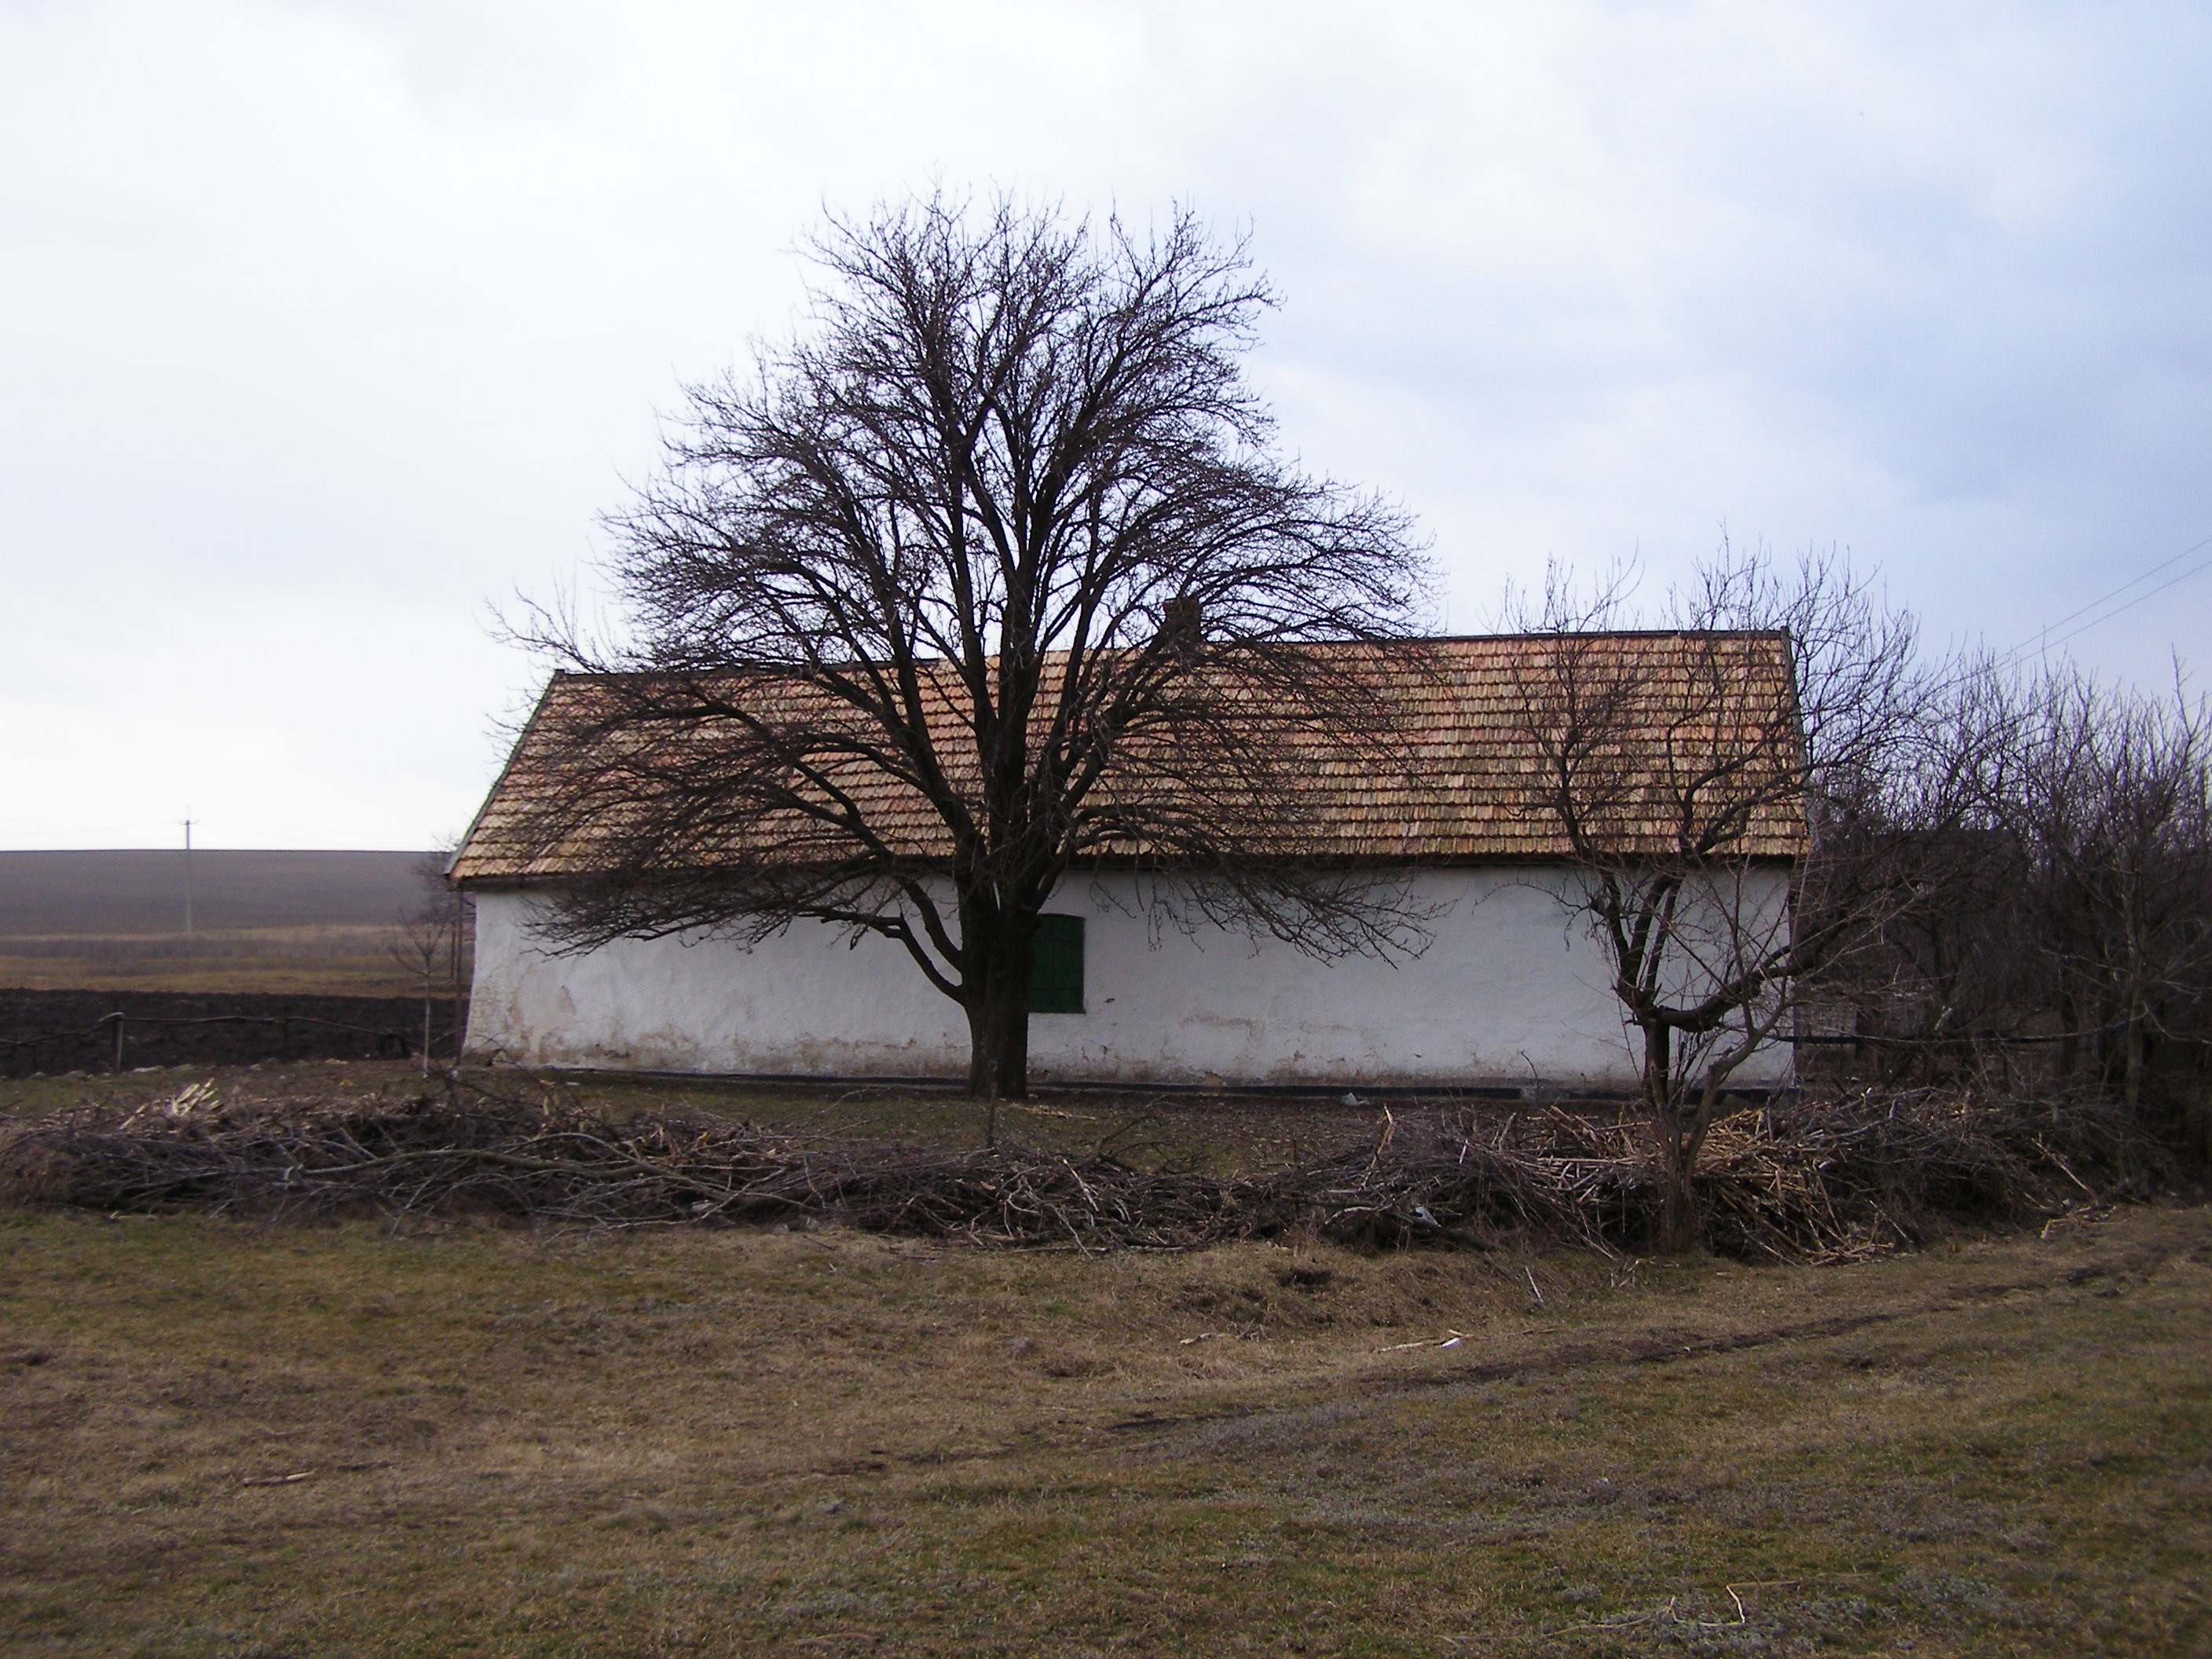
(325, 325)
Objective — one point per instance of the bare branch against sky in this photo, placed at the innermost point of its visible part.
(325, 322)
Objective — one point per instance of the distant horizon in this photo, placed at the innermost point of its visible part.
(197, 849)
(68, 890)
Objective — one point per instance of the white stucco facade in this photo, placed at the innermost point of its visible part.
(1510, 991)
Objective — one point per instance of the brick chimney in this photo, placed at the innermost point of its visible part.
(1180, 625)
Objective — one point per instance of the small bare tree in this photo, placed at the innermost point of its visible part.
(989, 576)
(422, 943)
(431, 941)
(1681, 786)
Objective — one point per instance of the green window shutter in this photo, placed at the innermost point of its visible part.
(1056, 966)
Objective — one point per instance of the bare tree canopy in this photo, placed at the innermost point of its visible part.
(1784, 686)
(2054, 833)
(991, 571)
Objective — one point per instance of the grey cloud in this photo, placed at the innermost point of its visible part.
(304, 303)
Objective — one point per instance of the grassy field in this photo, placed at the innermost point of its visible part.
(226, 1440)
(353, 961)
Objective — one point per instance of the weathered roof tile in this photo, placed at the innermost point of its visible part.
(1468, 784)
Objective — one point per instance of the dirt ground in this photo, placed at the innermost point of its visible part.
(69, 1033)
(222, 1439)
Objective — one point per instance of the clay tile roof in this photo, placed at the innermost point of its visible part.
(1466, 706)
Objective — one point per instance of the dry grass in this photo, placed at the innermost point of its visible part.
(319, 959)
(218, 1439)
(266, 943)
(371, 976)
(336, 976)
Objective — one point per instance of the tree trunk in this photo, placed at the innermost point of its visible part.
(1680, 1229)
(1658, 1069)
(998, 1044)
(999, 1015)
(997, 1001)
(460, 928)
(2069, 1049)
(2131, 1055)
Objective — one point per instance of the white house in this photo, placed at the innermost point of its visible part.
(1510, 991)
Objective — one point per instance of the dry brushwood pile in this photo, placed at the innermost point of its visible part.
(1820, 1181)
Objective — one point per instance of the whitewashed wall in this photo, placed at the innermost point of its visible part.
(1510, 991)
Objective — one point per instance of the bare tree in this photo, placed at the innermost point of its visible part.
(1947, 993)
(990, 576)
(421, 944)
(2046, 843)
(2110, 797)
(1678, 786)
(432, 941)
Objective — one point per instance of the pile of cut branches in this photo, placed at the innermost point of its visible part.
(1879, 1170)
(555, 1164)
(1842, 1178)
(1835, 1179)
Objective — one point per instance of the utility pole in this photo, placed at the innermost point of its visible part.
(188, 878)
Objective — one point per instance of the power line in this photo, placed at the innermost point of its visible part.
(2041, 639)
(2166, 564)
(2172, 582)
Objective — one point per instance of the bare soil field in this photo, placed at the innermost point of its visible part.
(217, 1438)
(50, 1032)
